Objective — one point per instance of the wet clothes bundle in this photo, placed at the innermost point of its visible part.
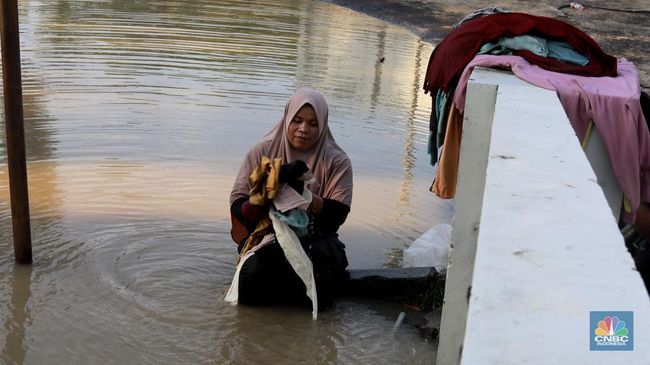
(459, 47)
(611, 103)
(285, 268)
(264, 182)
(546, 42)
(440, 114)
(540, 46)
(267, 277)
(593, 87)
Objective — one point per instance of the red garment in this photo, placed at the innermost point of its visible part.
(252, 212)
(459, 47)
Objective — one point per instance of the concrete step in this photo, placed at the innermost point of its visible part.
(420, 287)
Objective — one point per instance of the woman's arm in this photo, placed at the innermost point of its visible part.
(331, 215)
(240, 228)
(244, 217)
(331, 212)
(242, 225)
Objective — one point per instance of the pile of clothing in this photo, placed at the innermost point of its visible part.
(596, 90)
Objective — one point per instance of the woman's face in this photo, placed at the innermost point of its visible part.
(303, 129)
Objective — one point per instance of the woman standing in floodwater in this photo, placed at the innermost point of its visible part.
(303, 141)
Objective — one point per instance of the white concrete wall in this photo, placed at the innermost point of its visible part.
(547, 248)
(477, 124)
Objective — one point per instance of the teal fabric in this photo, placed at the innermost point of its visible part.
(437, 135)
(505, 45)
(563, 51)
(296, 219)
(438, 123)
(540, 46)
(441, 102)
(431, 150)
(494, 49)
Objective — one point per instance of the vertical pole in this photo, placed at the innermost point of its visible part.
(13, 101)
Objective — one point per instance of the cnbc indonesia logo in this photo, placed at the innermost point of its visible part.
(611, 332)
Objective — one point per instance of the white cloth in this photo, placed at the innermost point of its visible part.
(287, 198)
(297, 257)
(293, 251)
(233, 292)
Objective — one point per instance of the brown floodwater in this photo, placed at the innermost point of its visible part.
(137, 115)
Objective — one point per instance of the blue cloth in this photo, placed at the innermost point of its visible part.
(546, 48)
(563, 51)
(296, 218)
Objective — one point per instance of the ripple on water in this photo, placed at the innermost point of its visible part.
(166, 267)
(153, 284)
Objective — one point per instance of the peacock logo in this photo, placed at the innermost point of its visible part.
(611, 326)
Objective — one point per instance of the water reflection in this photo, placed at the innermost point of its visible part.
(40, 142)
(256, 336)
(137, 118)
(369, 326)
(376, 83)
(18, 316)
(408, 161)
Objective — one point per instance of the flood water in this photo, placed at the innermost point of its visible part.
(137, 116)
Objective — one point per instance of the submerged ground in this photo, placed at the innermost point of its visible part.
(622, 28)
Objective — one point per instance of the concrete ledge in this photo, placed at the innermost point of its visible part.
(547, 249)
(416, 286)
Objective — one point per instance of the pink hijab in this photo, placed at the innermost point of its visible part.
(327, 161)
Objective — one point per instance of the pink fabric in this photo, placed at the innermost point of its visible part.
(611, 102)
(327, 161)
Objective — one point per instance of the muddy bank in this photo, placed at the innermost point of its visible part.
(622, 28)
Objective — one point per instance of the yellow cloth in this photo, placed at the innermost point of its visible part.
(264, 186)
(585, 141)
(264, 181)
(262, 229)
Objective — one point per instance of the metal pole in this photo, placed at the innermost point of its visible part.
(13, 101)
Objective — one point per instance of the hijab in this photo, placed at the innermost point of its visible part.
(326, 160)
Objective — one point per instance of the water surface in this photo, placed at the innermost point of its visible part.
(137, 117)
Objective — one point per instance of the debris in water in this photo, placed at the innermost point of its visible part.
(399, 320)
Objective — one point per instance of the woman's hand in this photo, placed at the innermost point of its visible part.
(291, 173)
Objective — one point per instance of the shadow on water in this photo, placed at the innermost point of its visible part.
(18, 316)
